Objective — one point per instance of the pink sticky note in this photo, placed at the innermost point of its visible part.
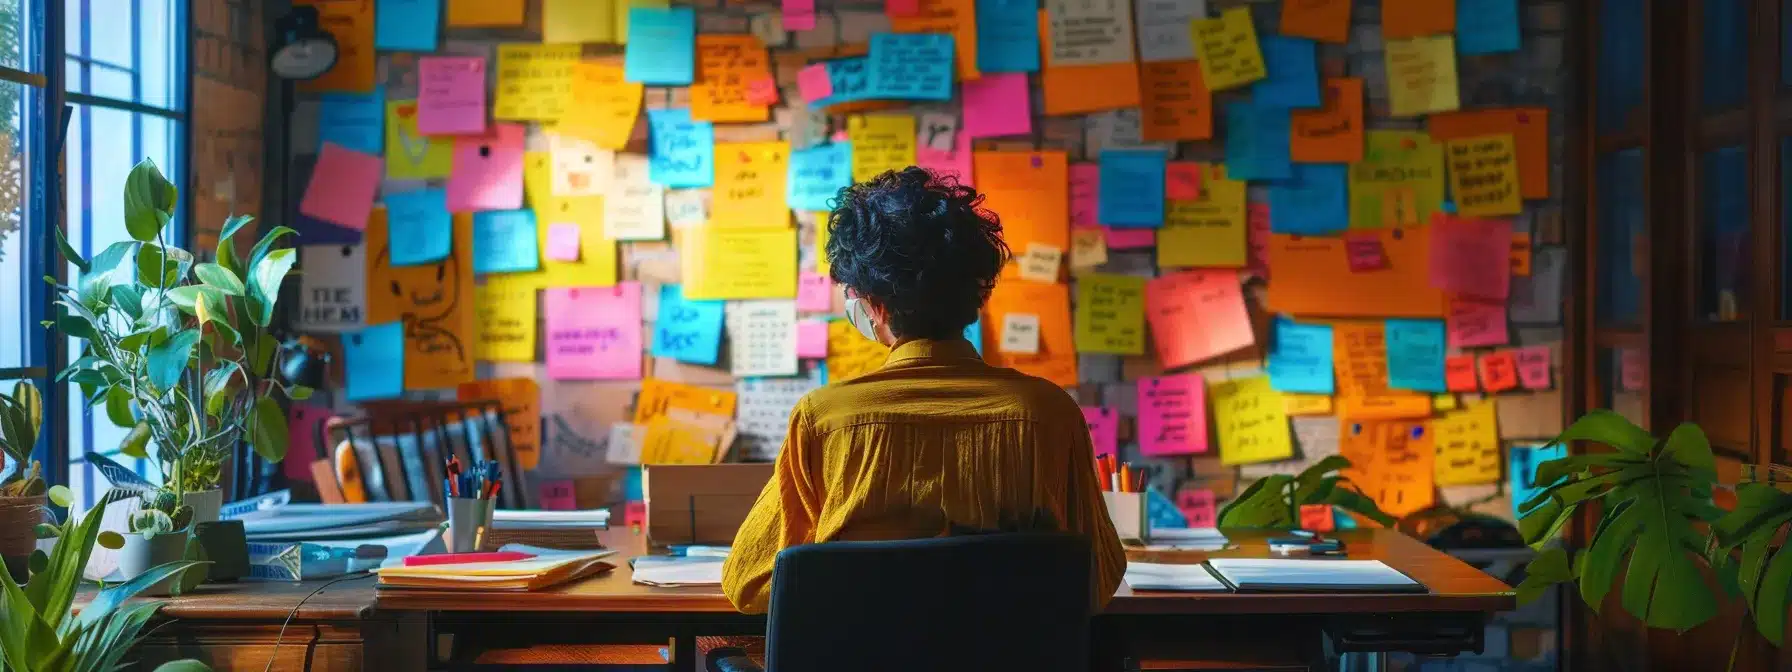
(1257, 237)
(812, 339)
(1475, 324)
(1633, 369)
(799, 14)
(1533, 367)
(1130, 239)
(1364, 250)
(1085, 197)
(594, 333)
(1173, 415)
(996, 104)
(304, 425)
(814, 293)
(762, 91)
(1196, 315)
(1197, 506)
(813, 83)
(1472, 257)
(1182, 181)
(634, 513)
(563, 241)
(956, 163)
(450, 95)
(557, 495)
(1104, 429)
(902, 7)
(342, 186)
(488, 171)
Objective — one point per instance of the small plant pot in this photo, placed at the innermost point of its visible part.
(140, 555)
(19, 517)
(206, 504)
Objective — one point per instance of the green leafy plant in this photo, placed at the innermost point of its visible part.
(1274, 501)
(21, 418)
(1764, 574)
(1654, 499)
(38, 630)
(161, 512)
(179, 351)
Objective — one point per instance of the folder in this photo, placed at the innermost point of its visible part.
(1313, 277)
(1270, 575)
(524, 575)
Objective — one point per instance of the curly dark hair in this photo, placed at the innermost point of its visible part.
(919, 244)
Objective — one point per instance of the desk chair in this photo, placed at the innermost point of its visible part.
(968, 603)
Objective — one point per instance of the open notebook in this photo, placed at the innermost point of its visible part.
(522, 575)
(1189, 578)
(1264, 575)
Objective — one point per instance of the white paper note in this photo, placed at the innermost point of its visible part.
(687, 207)
(332, 288)
(1165, 33)
(1020, 334)
(579, 166)
(1090, 32)
(1116, 129)
(625, 443)
(1040, 263)
(762, 338)
(634, 207)
(937, 131)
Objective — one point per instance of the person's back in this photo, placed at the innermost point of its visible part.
(935, 442)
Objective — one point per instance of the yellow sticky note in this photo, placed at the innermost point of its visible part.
(850, 354)
(669, 441)
(749, 191)
(573, 21)
(1422, 75)
(534, 81)
(659, 396)
(602, 106)
(1399, 182)
(504, 319)
(821, 243)
(1110, 314)
(596, 266)
(411, 155)
(1209, 232)
(1444, 402)
(1306, 404)
(1251, 421)
(477, 13)
(1468, 445)
(722, 263)
(880, 142)
(1484, 176)
(1230, 56)
(538, 179)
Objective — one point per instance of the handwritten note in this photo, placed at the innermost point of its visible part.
(1172, 415)
(1474, 324)
(342, 187)
(1300, 358)
(1040, 263)
(1007, 36)
(406, 25)
(751, 185)
(434, 301)
(450, 95)
(1090, 32)
(1416, 355)
(1334, 132)
(1292, 64)
(721, 263)
(1110, 314)
(687, 207)
(1323, 20)
(505, 242)
(1251, 424)
(504, 320)
(333, 288)
(726, 64)
(1471, 256)
(1362, 364)
(1088, 248)
(762, 338)
(1392, 463)
(634, 207)
(1460, 374)
(1533, 367)
(1020, 334)
(409, 154)
(352, 24)
(683, 149)
(1307, 404)
(1468, 445)
(1314, 202)
(373, 358)
(814, 293)
(1176, 104)
(1230, 56)
(1499, 371)
(813, 83)
(1132, 187)
(421, 219)
(849, 80)
(880, 142)
(1028, 188)
(602, 106)
(688, 331)
(1166, 29)
(1422, 75)
(850, 354)
(594, 333)
(488, 171)
(1486, 26)
(1209, 231)
(1047, 309)
(534, 81)
(1399, 183)
(955, 17)
(997, 105)
(1365, 252)
(1196, 315)
(662, 44)
(1484, 176)
(818, 174)
(911, 66)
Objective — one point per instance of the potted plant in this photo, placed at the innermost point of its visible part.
(179, 351)
(159, 535)
(38, 629)
(1274, 501)
(22, 490)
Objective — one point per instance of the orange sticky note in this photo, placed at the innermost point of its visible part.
(1460, 375)
(602, 107)
(658, 395)
(1085, 88)
(1521, 254)
(521, 400)
(1056, 359)
(1313, 277)
(1401, 19)
(1323, 20)
(957, 18)
(486, 13)
(1030, 191)
(435, 301)
(750, 185)
(1499, 371)
(1528, 126)
(1197, 315)
(726, 64)
(351, 23)
(1176, 104)
(1316, 517)
(1360, 357)
(1391, 462)
(1334, 132)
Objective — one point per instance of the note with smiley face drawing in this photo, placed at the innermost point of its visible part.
(435, 302)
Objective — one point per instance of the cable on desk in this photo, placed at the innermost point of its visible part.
(295, 612)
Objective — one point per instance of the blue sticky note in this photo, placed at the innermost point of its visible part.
(419, 220)
(1300, 358)
(1257, 146)
(406, 25)
(818, 174)
(850, 79)
(1162, 512)
(662, 46)
(683, 150)
(374, 360)
(1415, 351)
(1293, 66)
(1486, 26)
(1132, 187)
(1315, 201)
(354, 120)
(1521, 468)
(688, 331)
(504, 241)
(973, 332)
(911, 66)
(1008, 35)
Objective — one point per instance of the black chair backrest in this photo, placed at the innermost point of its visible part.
(973, 603)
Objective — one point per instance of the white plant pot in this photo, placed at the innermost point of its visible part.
(206, 504)
(140, 555)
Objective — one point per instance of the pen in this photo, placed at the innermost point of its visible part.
(1125, 477)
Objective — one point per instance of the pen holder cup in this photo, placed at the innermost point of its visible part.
(469, 520)
(1127, 511)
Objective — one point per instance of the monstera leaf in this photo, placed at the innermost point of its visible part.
(1764, 574)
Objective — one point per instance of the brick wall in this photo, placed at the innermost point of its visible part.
(230, 82)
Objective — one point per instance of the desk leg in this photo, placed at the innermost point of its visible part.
(1363, 662)
(684, 652)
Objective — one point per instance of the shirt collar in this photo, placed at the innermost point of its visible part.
(924, 350)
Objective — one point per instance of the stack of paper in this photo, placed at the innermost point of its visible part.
(522, 575)
(320, 522)
(550, 520)
(1312, 576)
(670, 572)
(1156, 576)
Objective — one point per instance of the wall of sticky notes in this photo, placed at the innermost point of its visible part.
(1248, 235)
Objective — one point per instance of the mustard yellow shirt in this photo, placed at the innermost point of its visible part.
(934, 440)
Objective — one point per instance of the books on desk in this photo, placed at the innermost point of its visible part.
(543, 571)
(1268, 575)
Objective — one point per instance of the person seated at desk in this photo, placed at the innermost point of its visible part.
(935, 442)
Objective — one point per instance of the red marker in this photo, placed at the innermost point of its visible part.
(458, 558)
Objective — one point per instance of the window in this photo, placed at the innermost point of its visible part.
(24, 344)
(125, 66)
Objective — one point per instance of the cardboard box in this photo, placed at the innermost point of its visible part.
(700, 503)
